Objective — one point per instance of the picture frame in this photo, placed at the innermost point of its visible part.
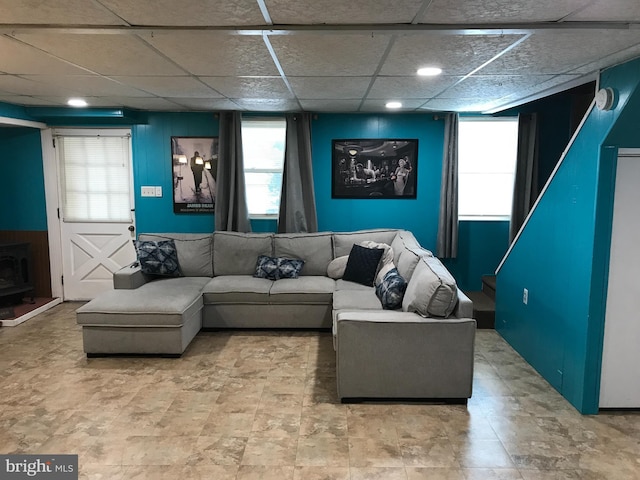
(374, 168)
(194, 166)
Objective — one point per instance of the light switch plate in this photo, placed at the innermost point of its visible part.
(148, 191)
(158, 191)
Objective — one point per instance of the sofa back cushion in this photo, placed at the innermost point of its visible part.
(342, 242)
(314, 248)
(236, 253)
(405, 240)
(431, 291)
(195, 252)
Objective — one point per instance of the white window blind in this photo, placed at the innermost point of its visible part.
(487, 149)
(96, 178)
(263, 144)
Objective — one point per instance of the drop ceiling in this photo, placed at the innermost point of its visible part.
(320, 56)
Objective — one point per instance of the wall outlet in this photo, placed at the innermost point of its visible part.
(525, 296)
(158, 191)
(148, 191)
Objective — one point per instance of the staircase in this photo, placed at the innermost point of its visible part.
(484, 302)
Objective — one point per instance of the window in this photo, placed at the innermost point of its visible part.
(487, 149)
(96, 178)
(263, 141)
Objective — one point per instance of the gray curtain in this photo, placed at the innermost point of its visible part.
(231, 211)
(297, 201)
(525, 189)
(447, 246)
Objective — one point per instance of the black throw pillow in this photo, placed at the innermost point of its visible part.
(362, 265)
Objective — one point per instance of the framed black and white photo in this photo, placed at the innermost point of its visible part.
(374, 168)
(194, 162)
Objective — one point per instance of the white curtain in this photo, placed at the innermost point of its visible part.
(447, 244)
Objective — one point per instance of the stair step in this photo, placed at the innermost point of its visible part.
(489, 285)
(484, 309)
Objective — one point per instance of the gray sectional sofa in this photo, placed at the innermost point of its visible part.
(423, 350)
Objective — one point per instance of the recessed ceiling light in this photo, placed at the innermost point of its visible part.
(77, 102)
(429, 71)
(393, 105)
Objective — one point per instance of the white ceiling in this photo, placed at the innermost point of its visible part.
(321, 55)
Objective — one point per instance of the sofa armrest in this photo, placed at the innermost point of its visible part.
(402, 355)
(464, 307)
(129, 277)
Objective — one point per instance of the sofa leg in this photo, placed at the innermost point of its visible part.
(133, 355)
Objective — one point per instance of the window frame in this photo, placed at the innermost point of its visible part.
(472, 118)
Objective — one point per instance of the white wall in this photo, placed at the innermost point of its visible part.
(620, 381)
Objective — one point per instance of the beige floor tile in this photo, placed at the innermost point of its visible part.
(263, 404)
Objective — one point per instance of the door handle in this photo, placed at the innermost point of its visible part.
(132, 228)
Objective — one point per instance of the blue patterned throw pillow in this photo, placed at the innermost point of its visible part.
(391, 290)
(158, 258)
(275, 268)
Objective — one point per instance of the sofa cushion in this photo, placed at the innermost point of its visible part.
(336, 267)
(391, 290)
(314, 248)
(302, 290)
(342, 242)
(236, 253)
(356, 300)
(195, 251)
(275, 268)
(432, 291)
(407, 263)
(162, 302)
(243, 289)
(342, 284)
(362, 264)
(158, 258)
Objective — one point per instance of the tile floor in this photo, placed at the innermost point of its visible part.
(262, 405)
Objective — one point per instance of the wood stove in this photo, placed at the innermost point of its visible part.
(15, 273)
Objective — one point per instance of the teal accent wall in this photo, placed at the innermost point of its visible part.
(481, 246)
(420, 215)
(22, 198)
(151, 145)
(562, 256)
(15, 111)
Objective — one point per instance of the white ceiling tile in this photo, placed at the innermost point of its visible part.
(340, 12)
(458, 105)
(259, 87)
(329, 87)
(21, 86)
(330, 55)
(182, 86)
(31, 101)
(608, 61)
(204, 104)
(91, 85)
(146, 103)
(408, 104)
(608, 10)
(215, 54)
(556, 52)
(493, 86)
(187, 12)
(410, 87)
(18, 58)
(455, 54)
(330, 105)
(268, 104)
(498, 11)
(105, 54)
(58, 12)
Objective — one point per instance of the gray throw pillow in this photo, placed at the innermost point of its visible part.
(391, 290)
(275, 268)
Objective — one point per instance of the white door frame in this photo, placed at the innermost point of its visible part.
(52, 196)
